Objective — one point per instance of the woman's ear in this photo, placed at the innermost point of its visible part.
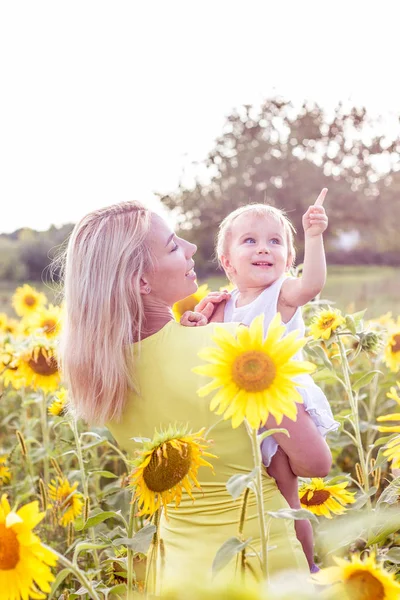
(144, 286)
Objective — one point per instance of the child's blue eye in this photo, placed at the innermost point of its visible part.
(249, 241)
(275, 241)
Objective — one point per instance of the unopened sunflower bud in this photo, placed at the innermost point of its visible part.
(22, 443)
(370, 341)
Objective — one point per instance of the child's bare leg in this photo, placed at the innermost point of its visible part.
(286, 481)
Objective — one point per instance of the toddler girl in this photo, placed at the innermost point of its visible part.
(255, 248)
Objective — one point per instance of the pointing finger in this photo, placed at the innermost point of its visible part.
(320, 200)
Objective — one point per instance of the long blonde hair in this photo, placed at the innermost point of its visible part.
(104, 261)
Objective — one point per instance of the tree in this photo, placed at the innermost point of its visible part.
(284, 156)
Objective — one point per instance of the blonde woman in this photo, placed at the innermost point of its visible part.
(128, 364)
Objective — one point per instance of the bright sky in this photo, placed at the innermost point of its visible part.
(103, 102)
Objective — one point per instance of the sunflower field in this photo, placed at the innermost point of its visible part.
(77, 521)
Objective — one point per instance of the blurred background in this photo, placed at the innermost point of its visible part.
(197, 108)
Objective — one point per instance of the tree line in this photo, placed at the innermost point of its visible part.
(283, 155)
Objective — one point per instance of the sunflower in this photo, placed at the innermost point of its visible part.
(48, 320)
(8, 367)
(323, 499)
(392, 451)
(59, 405)
(392, 350)
(360, 579)
(166, 466)
(325, 323)
(255, 376)
(12, 327)
(26, 301)
(67, 502)
(190, 302)
(5, 474)
(3, 321)
(24, 562)
(37, 367)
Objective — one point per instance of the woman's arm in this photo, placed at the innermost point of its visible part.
(306, 449)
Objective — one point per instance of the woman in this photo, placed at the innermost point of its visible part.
(128, 364)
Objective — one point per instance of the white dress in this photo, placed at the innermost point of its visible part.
(315, 401)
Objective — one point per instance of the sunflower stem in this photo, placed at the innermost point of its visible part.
(85, 486)
(76, 571)
(259, 496)
(152, 566)
(46, 438)
(130, 573)
(240, 529)
(356, 420)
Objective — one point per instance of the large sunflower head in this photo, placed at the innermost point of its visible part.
(190, 302)
(24, 562)
(37, 367)
(26, 301)
(360, 579)
(323, 499)
(253, 375)
(67, 501)
(392, 350)
(325, 323)
(47, 320)
(166, 466)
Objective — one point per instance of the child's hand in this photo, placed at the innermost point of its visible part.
(209, 305)
(193, 319)
(315, 220)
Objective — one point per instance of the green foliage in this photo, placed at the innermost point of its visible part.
(284, 156)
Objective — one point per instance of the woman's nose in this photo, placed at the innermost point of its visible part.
(192, 249)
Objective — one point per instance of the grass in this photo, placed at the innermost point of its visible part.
(349, 288)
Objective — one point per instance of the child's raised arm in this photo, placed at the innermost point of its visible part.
(297, 292)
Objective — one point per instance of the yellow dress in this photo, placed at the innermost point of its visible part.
(196, 530)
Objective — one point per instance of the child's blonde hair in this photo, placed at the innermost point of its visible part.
(106, 256)
(225, 228)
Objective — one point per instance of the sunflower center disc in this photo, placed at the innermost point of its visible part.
(396, 345)
(43, 365)
(364, 586)
(319, 497)
(30, 300)
(9, 548)
(328, 323)
(167, 467)
(48, 325)
(253, 371)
